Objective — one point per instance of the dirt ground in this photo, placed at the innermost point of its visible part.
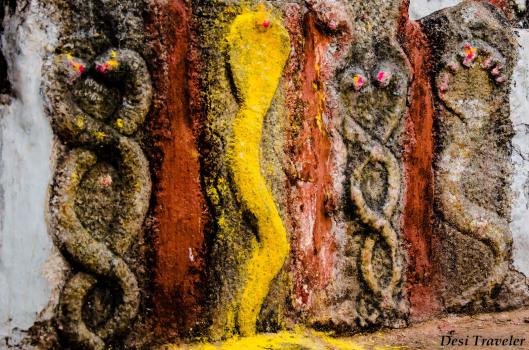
(429, 335)
(506, 330)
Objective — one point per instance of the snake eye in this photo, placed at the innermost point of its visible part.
(383, 77)
(353, 79)
(358, 82)
(470, 54)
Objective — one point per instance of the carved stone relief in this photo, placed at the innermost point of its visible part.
(290, 133)
(102, 187)
(371, 84)
(249, 243)
(473, 68)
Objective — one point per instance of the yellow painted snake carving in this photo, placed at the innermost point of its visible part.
(258, 47)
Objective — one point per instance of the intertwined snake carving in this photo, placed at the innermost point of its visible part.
(376, 94)
(378, 222)
(100, 259)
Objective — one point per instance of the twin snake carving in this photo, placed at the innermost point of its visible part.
(377, 96)
(99, 136)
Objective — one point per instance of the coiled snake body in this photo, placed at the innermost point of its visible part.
(378, 222)
(465, 122)
(98, 260)
(377, 103)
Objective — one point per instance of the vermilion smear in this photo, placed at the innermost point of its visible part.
(419, 178)
(179, 210)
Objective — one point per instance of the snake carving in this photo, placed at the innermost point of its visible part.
(258, 49)
(106, 174)
(473, 165)
(376, 92)
(378, 222)
(468, 217)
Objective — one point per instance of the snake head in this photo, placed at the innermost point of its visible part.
(375, 94)
(108, 63)
(258, 47)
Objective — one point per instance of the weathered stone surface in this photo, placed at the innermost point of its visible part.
(248, 239)
(473, 62)
(180, 212)
(98, 97)
(321, 163)
(495, 328)
(369, 89)
(418, 156)
(312, 203)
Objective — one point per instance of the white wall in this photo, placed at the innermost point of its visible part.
(421, 8)
(30, 269)
(520, 4)
(520, 157)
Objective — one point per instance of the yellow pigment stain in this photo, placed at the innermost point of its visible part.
(79, 121)
(100, 136)
(280, 341)
(277, 341)
(213, 195)
(470, 51)
(221, 221)
(119, 123)
(258, 47)
(320, 93)
(76, 65)
(113, 63)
